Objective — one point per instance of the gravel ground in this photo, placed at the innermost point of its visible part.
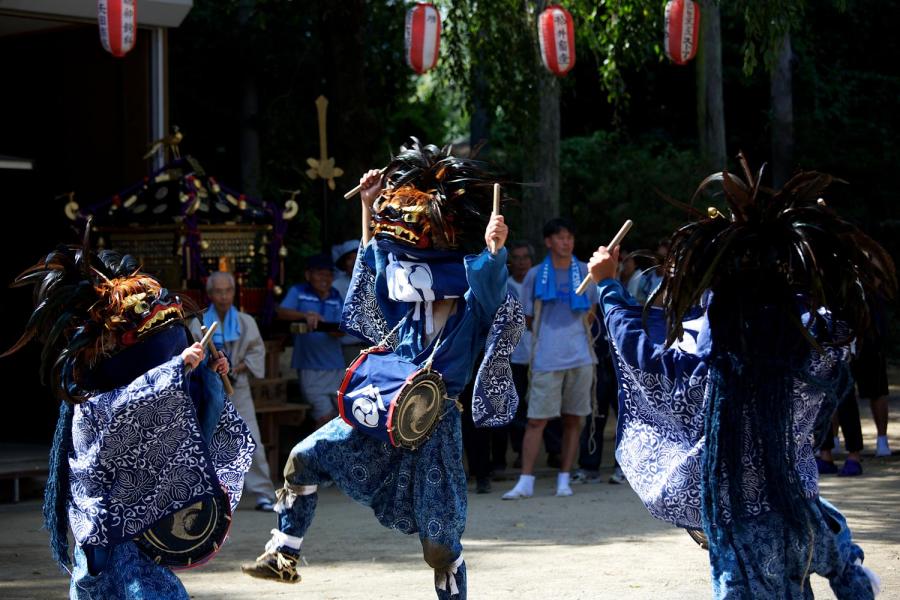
(599, 543)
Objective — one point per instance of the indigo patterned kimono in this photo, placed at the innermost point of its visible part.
(661, 441)
(422, 490)
(137, 453)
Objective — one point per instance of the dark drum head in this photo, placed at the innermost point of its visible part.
(417, 409)
(190, 536)
(698, 536)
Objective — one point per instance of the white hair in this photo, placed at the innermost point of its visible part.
(211, 280)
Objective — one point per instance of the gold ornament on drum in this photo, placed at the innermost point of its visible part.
(71, 208)
(291, 207)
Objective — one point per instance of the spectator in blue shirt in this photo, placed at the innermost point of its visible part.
(562, 354)
(317, 357)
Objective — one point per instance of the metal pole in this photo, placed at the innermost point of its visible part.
(158, 91)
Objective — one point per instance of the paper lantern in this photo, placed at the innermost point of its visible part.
(556, 32)
(118, 25)
(682, 30)
(423, 37)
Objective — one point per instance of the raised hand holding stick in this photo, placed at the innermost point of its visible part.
(495, 212)
(207, 342)
(615, 242)
(359, 188)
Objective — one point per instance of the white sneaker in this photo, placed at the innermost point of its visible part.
(882, 448)
(515, 494)
(564, 491)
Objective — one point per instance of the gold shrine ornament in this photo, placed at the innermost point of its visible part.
(323, 167)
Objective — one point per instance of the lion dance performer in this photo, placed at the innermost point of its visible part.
(723, 392)
(428, 309)
(149, 455)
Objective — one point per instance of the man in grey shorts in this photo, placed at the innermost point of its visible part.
(562, 357)
(317, 357)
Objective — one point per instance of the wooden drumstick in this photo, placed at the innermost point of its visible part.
(207, 342)
(208, 335)
(494, 212)
(615, 242)
(358, 188)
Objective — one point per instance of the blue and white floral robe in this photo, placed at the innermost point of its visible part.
(140, 452)
(422, 490)
(660, 442)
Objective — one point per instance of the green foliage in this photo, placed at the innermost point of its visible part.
(489, 56)
(352, 52)
(607, 178)
(623, 35)
(492, 54)
(766, 22)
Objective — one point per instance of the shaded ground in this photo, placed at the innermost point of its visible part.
(599, 543)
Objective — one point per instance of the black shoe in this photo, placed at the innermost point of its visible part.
(483, 485)
(553, 461)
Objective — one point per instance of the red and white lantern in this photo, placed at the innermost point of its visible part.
(118, 25)
(423, 37)
(556, 32)
(682, 30)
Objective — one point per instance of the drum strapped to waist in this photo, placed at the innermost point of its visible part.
(188, 537)
(390, 398)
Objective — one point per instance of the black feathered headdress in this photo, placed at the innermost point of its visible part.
(774, 256)
(434, 200)
(773, 247)
(88, 307)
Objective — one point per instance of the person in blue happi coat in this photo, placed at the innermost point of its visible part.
(146, 440)
(725, 388)
(429, 289)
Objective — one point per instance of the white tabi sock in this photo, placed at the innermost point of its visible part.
(874, 580)
(526, 484)
(562, 484)
(280, 539)
(524, 488)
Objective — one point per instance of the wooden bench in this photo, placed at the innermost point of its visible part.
(20, 461)
(269, 391)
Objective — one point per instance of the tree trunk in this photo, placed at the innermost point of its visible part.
(545, 200)
(249, 114)
(710, 103)
(781, 92)
(542, 201)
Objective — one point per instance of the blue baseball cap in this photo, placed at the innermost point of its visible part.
(319, 261)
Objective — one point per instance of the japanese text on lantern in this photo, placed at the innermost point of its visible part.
(562, 39)
(687, 30)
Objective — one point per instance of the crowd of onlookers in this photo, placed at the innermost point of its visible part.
(562, 368)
